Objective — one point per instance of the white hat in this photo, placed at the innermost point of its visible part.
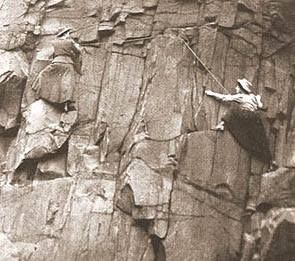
(245, 85)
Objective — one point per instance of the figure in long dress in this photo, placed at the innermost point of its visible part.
(56, 82)
(244, 122)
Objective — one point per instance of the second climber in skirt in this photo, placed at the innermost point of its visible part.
(56, 82)
(243, 121)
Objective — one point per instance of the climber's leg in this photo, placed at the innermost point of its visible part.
(219, 127)
(248, 247)
(254, 189)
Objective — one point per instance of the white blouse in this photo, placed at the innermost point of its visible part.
(249, 102)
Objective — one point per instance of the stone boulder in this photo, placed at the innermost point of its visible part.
(44, 131)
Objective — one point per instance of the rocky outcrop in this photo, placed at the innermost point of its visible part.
(132, 170)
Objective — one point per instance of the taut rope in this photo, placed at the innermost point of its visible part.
(203, 64)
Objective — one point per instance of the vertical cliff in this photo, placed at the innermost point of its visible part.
(134, 172)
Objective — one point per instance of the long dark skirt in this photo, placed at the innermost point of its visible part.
(248, 130)
(56, 83)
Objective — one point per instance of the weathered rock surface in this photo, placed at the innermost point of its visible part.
(277, 188)
(15, 250)
(134, 172)
(277, 234)
(150, 195)
(44, 131)
(14, 71)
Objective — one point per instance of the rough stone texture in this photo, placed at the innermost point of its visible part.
(150, 194)
(117, 105)
(277, 235)
(135, 173)
(206, 220)
(44, 131)
(14, 71)
(52, 166)
(15, 251)
(277, 188)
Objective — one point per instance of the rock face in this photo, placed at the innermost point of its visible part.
(132, 170)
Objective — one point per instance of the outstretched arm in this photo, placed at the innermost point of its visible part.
(222, 97)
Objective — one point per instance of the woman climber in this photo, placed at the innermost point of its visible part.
(244, 122)
(56, 82)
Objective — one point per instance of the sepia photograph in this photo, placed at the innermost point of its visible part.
(147, 130)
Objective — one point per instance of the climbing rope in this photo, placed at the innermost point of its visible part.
(152, 37)
(203, 64)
